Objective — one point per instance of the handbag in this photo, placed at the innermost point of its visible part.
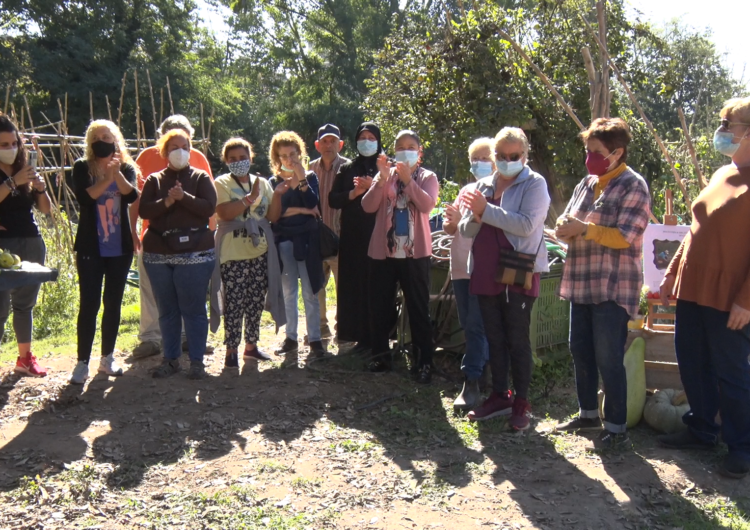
(183, 239)
(516, 268)
(329, 241)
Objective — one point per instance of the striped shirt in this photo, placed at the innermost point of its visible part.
(594, 273)
(331, 217)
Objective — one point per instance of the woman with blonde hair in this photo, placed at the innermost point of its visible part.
(21, 190)
(505, 215)
(178, 251)
(104, 183)
(296, 233)
(710, 276)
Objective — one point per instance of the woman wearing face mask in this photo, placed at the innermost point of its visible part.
(244, 205)
(21, 190)
(506, 212)
(104, 184)
(710, 276)
(178, 251)
(604, 224)
(296, 232)
(352, 182)
(482, 160)
(400, 248)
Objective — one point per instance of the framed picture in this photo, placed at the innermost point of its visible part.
(660, 244)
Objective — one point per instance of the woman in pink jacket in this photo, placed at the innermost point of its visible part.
(400, 248)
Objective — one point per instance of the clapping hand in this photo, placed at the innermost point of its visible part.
(361, 185)
(176, 192)
(452, 214)
(384, 168)
(570, 228)
(475, 201)
(113, 167)
(404, 172)
(281, 188)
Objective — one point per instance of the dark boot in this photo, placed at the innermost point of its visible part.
(469, 395)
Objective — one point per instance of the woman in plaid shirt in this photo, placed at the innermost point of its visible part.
(603, 224)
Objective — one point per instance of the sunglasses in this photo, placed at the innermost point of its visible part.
(515, 157)
(726, 124)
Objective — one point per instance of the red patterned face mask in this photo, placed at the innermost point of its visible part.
(597, 164)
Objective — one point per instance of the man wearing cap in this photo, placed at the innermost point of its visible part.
(328, 144)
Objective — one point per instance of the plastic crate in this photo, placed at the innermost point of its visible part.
(550, 317)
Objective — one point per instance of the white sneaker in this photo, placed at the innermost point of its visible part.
(80, 373)
(109, 366)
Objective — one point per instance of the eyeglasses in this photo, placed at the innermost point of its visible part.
(289, 157)
(515, 157)
(726, 124)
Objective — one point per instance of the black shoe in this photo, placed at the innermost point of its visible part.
(734, 466)
(288, 346)
(317, 350)
(197, 371)
(578, 424)
(255, 355)
(380, 364)
(231, 360)
(610, 441)
(167, 369)
(469, 395)
(424, 374)
(684, 440)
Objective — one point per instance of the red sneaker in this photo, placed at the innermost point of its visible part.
(495, 405)
(519, 418)
(27, 365)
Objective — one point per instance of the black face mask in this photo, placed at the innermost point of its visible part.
(103, 149)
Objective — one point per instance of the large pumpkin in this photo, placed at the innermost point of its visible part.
(665, 409)
(635, 373)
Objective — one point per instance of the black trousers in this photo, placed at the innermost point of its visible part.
(92, 271)
(506, 319)
(413, 275)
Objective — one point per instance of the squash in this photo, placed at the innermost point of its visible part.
(665, 409)
(635, 373)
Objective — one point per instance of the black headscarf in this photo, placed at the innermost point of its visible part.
(367, 165)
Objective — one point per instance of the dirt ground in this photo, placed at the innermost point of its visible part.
(326, 446)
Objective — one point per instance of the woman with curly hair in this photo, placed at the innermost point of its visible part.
(296, 233)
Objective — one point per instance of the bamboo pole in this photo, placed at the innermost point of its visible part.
(203, 133)
(161, 106)
(66, 111)
(604, 98)
(645, 119)
(109, 108)
(701, 177)
(28, 111)
(153, 102)
(543, 77)
(210, 123)
(7, 98)
(91, 105)
(122, 98)
(169, 92)
(137, 111)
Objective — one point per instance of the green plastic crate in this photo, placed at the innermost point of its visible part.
(550, 317)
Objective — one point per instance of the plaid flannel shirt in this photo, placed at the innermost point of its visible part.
(594, 273)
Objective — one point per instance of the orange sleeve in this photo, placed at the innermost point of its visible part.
(610, 237)
(149, 161)
(199, 161)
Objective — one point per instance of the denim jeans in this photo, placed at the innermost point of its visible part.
(293, 271)
(180, 292)
(715, 372)
(470, 317)
(598, 333)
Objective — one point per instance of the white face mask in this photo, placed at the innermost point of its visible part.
(8, 156)
(179, 158)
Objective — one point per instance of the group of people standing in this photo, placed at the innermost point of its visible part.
(250, 242)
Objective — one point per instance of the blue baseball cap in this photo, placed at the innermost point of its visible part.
(329, 130)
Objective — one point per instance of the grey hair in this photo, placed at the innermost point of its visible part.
(512, 134)
(176, 121)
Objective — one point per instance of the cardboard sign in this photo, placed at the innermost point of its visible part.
(660, 244)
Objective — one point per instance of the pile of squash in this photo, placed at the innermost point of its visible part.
(664, 410)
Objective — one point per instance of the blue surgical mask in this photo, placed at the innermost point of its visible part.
(367, 147)
(410, 157)
(509, 170)
(481, 169)
(239, 168)
(723, 143)
(284, 168)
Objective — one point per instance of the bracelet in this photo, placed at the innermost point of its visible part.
(11, 184)
(39, 192)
